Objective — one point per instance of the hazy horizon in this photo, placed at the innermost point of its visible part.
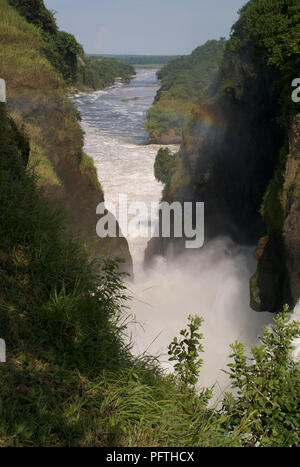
(134, 55)
(145, 27)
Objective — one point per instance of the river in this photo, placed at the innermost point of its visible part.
(214, 283)
(114, 121)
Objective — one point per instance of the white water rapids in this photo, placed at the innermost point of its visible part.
(214, 283)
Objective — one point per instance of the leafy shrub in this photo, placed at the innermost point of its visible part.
(274, 26)
(163, 165)
(186, 352)
(36, 13)
(268, 388)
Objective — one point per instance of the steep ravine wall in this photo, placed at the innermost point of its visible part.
(277, 280)
(57, 141)
(230, 154)
(230, 150)
(36, 99)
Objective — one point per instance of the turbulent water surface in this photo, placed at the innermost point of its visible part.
(213, 283)
(114, 122)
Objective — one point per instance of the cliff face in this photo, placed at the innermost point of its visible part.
(36, 99)
(230, 150)
(241, 160)
(291, 228)
(277, 280)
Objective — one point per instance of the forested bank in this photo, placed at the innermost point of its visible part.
(185, 81)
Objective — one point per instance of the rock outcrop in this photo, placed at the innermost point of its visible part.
(230, 150)
(277, 280)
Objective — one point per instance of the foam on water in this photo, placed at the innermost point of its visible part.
(214, 283)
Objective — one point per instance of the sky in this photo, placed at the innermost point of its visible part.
(150, 27)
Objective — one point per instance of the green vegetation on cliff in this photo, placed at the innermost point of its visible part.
(274, 25)
(66, 55)
(268, 31)
(36, 99)
(164, 163)
(277, 39)
(185, 81)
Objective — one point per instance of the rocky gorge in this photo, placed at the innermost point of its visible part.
(240, 155)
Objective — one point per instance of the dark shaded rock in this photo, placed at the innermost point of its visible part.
(270, 286)
(277, 280)
(14, 145)
(230, 151)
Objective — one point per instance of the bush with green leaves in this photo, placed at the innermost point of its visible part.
(163, 165)
(275, 24)
(186, 352)
(274, 28)
(36, 13)
(266, 388)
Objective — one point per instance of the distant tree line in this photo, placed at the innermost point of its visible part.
(144, 59)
